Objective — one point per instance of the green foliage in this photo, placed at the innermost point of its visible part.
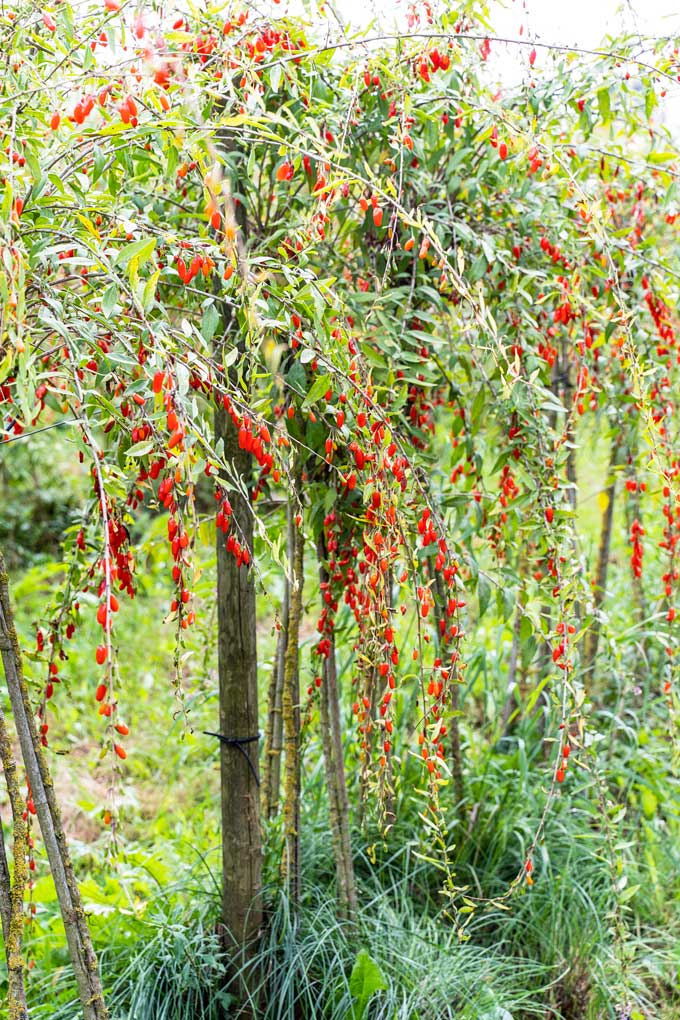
(365, 980)
(41, 493)
(452, 307)
(555, 950)
(163, 963)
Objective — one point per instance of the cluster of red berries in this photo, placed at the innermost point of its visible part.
(636, 533)
(199, 263)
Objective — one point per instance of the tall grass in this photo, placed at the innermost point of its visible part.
(567, 948)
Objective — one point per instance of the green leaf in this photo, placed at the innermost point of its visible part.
(483, 594)
(365, 980)
(150, 290)
(139, 449)
(275, 76)
(648, 803)
(109, 299)
(210, 322)
(604, 103)
(478, 404)
(173, 160)
(139, 250)
(6, 206)
(296, 378)
(6, 365)
(231, 357)
(182, 373)
(321, 385)
(534, 696)
(36, 172)
(99, 163)
(627, 894)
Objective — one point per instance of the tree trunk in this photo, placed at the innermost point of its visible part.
(12, 892)
(49, 817)
(333, 752)
(273, 739)
(237, 675)
(290, 708)
(237, 664)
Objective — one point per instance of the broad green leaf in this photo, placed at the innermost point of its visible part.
(140, 250)
(210, 322)
(365, 980)
(140, 449)
(319, 387)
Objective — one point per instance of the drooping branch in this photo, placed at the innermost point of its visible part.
(273, 734)
(634, 514)
(593, 635)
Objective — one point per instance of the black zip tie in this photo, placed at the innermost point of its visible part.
(238, 742)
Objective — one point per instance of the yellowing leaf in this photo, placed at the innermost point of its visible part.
(89, 226)
(139, 250)
(6, 365)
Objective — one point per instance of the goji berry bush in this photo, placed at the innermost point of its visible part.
(400, 343)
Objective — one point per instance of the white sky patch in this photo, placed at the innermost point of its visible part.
(584, 24)
(573, 22)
